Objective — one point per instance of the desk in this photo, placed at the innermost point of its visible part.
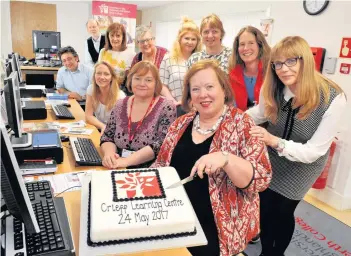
(37, 70)
(72, 199)
(69, 163)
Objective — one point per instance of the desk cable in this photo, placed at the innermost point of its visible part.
(66, 190)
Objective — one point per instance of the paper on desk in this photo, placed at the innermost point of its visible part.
(32, 86)
(61, 127)
(60, 182)
(80, 131)
(55, 102)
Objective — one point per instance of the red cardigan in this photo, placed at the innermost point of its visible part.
(236, 210)
(239, 88)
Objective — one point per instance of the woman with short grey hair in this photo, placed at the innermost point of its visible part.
(148, 50)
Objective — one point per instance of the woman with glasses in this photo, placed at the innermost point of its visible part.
(116, 52)
(212, 33)
(138, 124)
(303, 109)
(148, 50)
(102, 95)
(173, 66)
(247, 66)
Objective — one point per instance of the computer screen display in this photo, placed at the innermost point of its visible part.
(12, 186)
(13, 104)
(17, 67)
(46, 41)
(8, 68)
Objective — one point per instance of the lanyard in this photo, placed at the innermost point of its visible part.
(131, 136)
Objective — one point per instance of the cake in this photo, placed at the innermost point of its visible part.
(134, 205)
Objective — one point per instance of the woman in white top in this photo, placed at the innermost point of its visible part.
(116, 52)
(102, 95)
(173, 67)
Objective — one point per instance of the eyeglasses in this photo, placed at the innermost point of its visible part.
(146, 40)
(289, 63)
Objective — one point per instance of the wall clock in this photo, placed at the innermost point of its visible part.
(314, 7)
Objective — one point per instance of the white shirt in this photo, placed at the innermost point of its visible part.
(101, 112)
(88, 59)
(321, 140)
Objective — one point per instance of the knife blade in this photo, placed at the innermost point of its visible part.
(182, 182)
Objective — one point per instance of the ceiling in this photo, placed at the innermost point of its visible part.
(147, 4)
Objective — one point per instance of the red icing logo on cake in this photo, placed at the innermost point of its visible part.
(137, 184)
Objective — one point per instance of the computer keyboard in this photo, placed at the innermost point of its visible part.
(85, 152)
(62, 112)
(55, 235)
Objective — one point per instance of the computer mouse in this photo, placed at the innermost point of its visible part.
(66, 105)
(64, 138)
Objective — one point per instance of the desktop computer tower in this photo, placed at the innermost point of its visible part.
(34, 110)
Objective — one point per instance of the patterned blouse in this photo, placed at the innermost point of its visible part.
(160, 53)
(223, 58)
(151, 132)
(236, 210)
(172, 75)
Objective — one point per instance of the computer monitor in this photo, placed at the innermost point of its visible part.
(17, 67)
(14, 112)
(12, 186)
(46, 41)
(8, 67)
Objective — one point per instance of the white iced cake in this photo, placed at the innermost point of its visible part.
(130, 205)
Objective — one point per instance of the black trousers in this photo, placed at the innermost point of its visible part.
(277, 222)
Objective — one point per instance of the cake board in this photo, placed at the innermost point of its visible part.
(152, 245)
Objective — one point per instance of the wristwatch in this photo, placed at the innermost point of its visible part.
(226, 155)
(281, 145)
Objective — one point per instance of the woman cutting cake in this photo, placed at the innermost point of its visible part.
(214, 139)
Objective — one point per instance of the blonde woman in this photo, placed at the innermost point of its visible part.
(303, 109)
(212, 33)
(102, 95)
(173, 67)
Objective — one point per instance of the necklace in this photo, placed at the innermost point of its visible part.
(196, 124)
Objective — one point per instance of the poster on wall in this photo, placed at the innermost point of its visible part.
(266, 28)
(345, 49)
(109, 12)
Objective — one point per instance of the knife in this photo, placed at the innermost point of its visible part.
(183, 181)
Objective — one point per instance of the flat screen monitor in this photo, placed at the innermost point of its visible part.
(16, 67)
(14, 111)
(8, 68)
(46, 41)
(12, 186)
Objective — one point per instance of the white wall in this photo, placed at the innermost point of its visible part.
(71, 19)
(6, 42)
(324, 30)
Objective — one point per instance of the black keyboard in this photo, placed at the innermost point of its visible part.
(85, 152)
(52, 240)
(62, 112)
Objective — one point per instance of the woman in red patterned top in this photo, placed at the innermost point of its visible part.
(214, 139)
